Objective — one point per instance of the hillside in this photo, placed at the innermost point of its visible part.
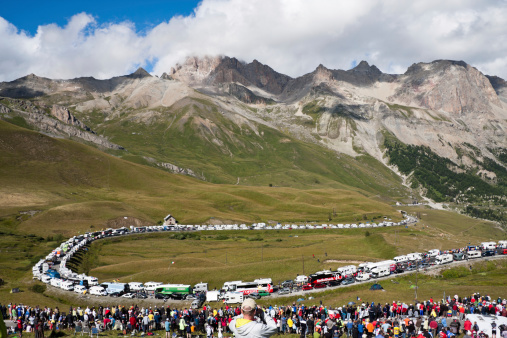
(54, 186)
(229, 122)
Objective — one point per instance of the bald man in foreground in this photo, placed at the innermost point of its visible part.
(248, 325)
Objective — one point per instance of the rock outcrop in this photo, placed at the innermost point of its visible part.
(64, 115)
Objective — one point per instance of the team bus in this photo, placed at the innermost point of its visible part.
(323, 276)
(263, 286)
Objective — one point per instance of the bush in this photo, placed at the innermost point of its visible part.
(255, 239)
(38, 288)
(455, 273)
(367, 233)
(222, 237)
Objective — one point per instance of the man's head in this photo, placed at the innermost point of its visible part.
(248, 307)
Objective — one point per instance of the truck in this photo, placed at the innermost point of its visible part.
(173, 289)
(443, 259)
(213, 296)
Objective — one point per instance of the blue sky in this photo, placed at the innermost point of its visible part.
(67, 39)
(145, 14)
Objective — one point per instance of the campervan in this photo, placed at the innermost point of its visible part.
(56, 282)
(401, 259)
(231, 286)
(474, 254)
(488, 246)
(67, 286)
(45, 279)
(151, 286)
(443, 259)
(92, 280)
(433, 253)
(98, 291)
(502, 244)
(201, 287)
(79, 288)
(233, 297)
(415, 256)
(136, 286)
(301, 279)
(347, 270)
(458, 256)
(362, 277)
(380, 272)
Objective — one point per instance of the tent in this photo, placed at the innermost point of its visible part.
(376, 287)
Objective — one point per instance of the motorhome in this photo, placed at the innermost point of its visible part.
(201, 287)
(389, 263)
(45, 279)
(231, 286)
(474, 254)
(380, 272)
(151, 286)
(116, 288)
(415, 256)
(98, 291)
(362, 266)
(443, 259)
(136, 286)
(301, 279)
(401, 259)
(67, 286)
(502, 244)
(348, 270)
(433, 253)
(233, 297)
(93, 281)
(55, 282)
(79, 289)
(488, 246)
(212, 296)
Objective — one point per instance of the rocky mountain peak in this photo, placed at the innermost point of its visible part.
(139, 74)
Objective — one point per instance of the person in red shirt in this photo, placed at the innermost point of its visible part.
(467, 326)
(442, 334)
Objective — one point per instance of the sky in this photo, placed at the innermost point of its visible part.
(67, 39)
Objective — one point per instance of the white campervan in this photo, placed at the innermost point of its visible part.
(301, 279)
(67, 286)
(98, 291)
(56, 282)
(443, 259)
(212, 296)
(79, 288)
(45, 279)
(362, 277)
(488, 245)
(415, 256)
(136, 286)
(231, 286)
(233, 297)
(151, 286)
(380, 272)
(92, 280)
(347, 270)
(502, 244)
(201, 287)
(434, 253)
(401, 259)
(474, 254)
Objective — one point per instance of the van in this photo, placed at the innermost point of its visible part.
(362, 277)
(92, 280)
(458, 256)
(380, 272)
(502, 244)
(45, 279)
(233, 297)
(443, 259)
(55, 282)
(474, 254)
(415, 256)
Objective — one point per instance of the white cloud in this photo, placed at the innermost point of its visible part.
(291, 36)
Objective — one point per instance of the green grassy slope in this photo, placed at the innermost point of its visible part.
(76, 186)
(193, 133)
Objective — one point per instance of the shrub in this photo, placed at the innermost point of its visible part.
(38, 288)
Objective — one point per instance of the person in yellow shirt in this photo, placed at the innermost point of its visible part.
(290, 323)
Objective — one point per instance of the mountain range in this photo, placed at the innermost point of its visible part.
(438, 131)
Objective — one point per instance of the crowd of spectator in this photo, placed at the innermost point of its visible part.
(444, 318)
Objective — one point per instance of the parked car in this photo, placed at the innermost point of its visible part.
(287, 283)
(284, 291)
(129, 295)
(141, 295)
(348, 280)
(488, 253)
(307, 287)
(319, 286)
(161, 296)
(333, 283)
(254, 295)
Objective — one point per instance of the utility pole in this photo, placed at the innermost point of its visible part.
(303, 264)
(226, 257)
(416, 272)
(262, 252)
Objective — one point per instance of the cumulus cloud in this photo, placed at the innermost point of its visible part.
(291, 36)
